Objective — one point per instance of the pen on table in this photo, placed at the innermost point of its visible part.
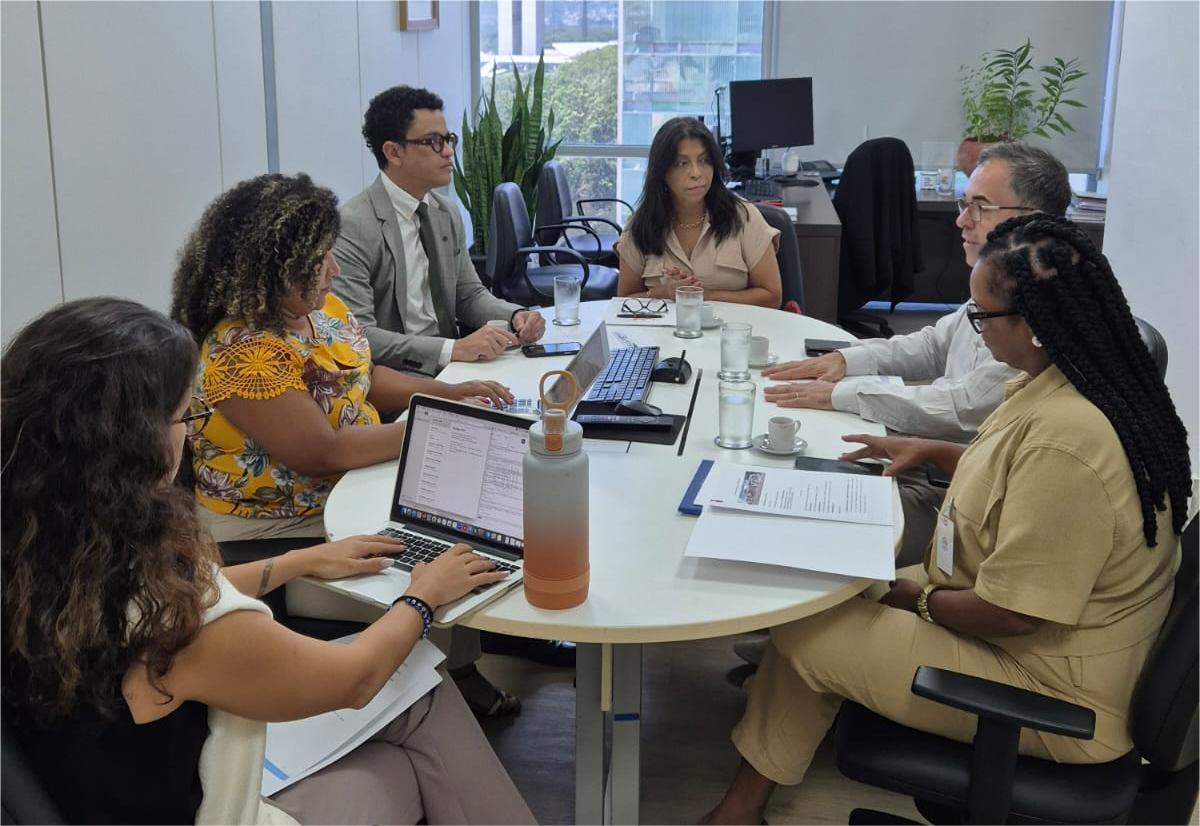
(638, 315)
(679, 368)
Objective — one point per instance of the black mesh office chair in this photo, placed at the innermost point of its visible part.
(987, 782)
(788, 254)
(1155, 343)
(881, 248)
(510, 243)
(554, 208)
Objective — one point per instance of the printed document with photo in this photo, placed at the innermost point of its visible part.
(836, 497)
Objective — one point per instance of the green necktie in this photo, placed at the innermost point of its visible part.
(445, 318)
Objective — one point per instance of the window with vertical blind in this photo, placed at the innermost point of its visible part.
(616, 70)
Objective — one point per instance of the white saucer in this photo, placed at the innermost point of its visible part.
(762, 442)
(716, 322)
(772, 358)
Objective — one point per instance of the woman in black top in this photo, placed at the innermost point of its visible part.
(137, 674)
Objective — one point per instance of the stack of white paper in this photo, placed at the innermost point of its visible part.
(831, 522)
(301, 747)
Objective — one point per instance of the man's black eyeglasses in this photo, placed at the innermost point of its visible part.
(435, 141)
(977, 316)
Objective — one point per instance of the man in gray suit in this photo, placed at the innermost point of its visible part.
(406, 274)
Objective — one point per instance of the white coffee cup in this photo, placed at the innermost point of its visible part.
(781, 432)
(760, 350)
(708, 314)
(499, 324)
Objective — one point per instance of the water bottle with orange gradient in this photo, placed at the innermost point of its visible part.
(556, 503)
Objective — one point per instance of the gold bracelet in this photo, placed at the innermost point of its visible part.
(923, 603)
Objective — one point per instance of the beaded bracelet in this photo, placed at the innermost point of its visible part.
(422, 608)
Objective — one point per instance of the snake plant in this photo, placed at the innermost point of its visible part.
(491, 154)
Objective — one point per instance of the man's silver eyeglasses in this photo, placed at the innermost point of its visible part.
(644, 306)
(977, 316)
(435, 141)
(975, 209)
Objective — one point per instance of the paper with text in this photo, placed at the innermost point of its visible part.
(838, 497)
(298, 748)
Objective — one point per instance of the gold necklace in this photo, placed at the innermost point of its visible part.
(692, 224)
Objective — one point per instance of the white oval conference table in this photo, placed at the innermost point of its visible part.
(643, 589)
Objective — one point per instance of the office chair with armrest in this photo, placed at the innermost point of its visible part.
(988, 782)
(788, 255)
(23, 798)
(554, 208)
(510, 243)
(1155, 343)
(881, 247)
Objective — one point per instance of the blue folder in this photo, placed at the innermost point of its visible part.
(688, 504)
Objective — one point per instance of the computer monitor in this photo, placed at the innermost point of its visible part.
(765, 114)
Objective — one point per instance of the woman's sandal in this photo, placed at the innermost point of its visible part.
(474, 686)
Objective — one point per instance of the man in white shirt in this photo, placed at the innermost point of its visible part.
(966, 383)
(406, 273)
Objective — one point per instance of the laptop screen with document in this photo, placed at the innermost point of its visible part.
(461, 472)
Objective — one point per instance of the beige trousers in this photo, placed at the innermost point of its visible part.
(866, 652)
(431, 762)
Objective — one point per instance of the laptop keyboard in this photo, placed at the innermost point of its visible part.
(420, 548)
(627, 375)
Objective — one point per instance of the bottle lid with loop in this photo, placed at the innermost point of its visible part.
(558, 435)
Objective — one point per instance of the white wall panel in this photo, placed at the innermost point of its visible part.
(133, 111)
(387, 57)
(317, 93)
(32, 280)
(892, 68)
(1150, 230)
(238, 37)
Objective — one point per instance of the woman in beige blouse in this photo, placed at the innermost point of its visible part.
(690, 230)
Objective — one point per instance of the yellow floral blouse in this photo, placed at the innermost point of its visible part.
(233, 474)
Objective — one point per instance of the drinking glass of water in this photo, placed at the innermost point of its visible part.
(736, 413)
(735, 351)
(689, 308)
(566, 300)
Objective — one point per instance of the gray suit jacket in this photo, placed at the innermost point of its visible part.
(372, 283)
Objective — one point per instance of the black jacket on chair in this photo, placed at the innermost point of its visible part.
(877, 204)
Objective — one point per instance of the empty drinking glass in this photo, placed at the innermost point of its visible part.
(735, 351)
(689, 307)
(735, 409)
(566, 300)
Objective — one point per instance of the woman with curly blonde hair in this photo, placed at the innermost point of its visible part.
(137, 675)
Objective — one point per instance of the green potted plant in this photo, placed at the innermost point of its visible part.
(491, 153)
(1000, 103)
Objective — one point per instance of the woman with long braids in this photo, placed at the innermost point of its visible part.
(689, 229)
(137, 674)
(1062, 517)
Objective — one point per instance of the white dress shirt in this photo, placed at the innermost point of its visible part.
(420, 317)
(968, 383)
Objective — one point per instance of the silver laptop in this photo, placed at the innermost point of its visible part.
(588, 363)
(459, 480)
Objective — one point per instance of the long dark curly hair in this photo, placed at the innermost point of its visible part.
(104, 562)
(253, 245)
(655, 210)
(1066, 292)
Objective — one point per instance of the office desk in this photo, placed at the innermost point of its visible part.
(944, 279)
(819, 236)
(643, 590)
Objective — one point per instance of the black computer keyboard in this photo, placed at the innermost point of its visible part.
(420, 548)
(627, 376)
(759, 188)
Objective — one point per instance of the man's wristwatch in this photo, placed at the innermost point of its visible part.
(923, 603)
(512, 318)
